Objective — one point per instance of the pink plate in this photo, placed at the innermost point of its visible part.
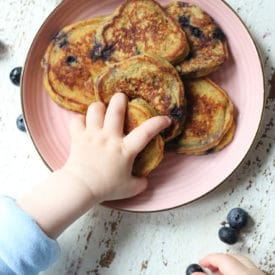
(179, 179)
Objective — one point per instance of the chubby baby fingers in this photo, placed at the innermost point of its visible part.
(137, 139)
(223, 263)
(77, 124)
(115, 114)
(95, 116)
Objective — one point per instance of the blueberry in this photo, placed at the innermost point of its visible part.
(184, 21)
(165, 132)
(177, 113)
(20, 123)
(228, 235)
(71, 59)
(193, 268)
(237, 218)
(218, 34)
(196, 32)
(101, 52)
(15, 75)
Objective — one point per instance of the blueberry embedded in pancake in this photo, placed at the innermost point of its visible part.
(100, 51)
(139, 27)
(208, 46)
(209, 119)
(151, 78)
(150, 157)
(69, 67)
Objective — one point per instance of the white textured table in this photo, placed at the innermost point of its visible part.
(112, 242)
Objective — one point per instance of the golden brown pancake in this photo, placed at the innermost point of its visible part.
(149, 77)
(138, 27)
(70, 68)
(208, 46)
(228, 137)
(209, 118)
(138, 111)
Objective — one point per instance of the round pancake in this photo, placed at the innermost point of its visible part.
(149, 77)
(208, 46)
(140, 27)
(209, 118)
(149, 158)
(70, 68)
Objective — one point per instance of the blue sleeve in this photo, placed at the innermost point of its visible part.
(24, 248)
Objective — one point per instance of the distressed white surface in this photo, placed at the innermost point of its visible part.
(158, 243)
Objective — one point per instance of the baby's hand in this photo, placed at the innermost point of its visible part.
(102, 157)
(228, 264)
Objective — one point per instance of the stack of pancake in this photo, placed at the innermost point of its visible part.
(159, 57)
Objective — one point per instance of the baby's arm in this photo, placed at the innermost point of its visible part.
(228, 264)
(98, 168)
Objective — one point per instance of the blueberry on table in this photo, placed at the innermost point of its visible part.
(228, 235)
(15, 75)
(20, 123)
(237, 218)
(193, 268)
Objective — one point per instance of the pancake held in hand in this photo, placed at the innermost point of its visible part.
(141, 26)
(209, 118)
(149, 77)
(208, 47)
(138, 111)
(69, 67)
